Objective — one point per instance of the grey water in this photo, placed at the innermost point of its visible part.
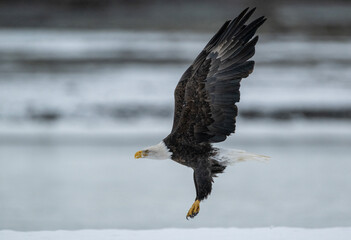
(76, 105)
(74, 186)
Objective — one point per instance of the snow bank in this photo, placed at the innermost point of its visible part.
(50, 76)
(279, 233)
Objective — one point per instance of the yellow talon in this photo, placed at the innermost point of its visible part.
(194, 210)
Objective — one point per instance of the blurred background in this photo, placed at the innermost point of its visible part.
(84, 84)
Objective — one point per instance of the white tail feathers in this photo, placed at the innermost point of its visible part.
(231, 156)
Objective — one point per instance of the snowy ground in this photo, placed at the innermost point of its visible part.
(63, 75)
(276, 233)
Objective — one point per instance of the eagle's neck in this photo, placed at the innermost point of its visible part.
(159, 151)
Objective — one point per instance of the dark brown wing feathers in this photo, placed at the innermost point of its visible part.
(205, 96)
(179, 91)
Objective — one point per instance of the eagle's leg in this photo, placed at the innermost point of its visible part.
(203, 185)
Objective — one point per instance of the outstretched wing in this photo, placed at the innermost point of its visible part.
(205, 96)
(179, 91)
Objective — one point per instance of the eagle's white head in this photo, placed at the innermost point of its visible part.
(159, 151)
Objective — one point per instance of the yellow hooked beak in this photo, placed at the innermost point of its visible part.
(139, 154)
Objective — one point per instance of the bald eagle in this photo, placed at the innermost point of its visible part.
(205, 109)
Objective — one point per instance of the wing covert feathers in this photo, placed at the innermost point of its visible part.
(205, 96)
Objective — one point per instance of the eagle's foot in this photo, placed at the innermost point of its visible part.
(194, 210)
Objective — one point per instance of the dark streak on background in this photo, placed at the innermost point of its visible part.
(312, 16)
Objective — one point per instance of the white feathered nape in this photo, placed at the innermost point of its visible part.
(232, 156)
